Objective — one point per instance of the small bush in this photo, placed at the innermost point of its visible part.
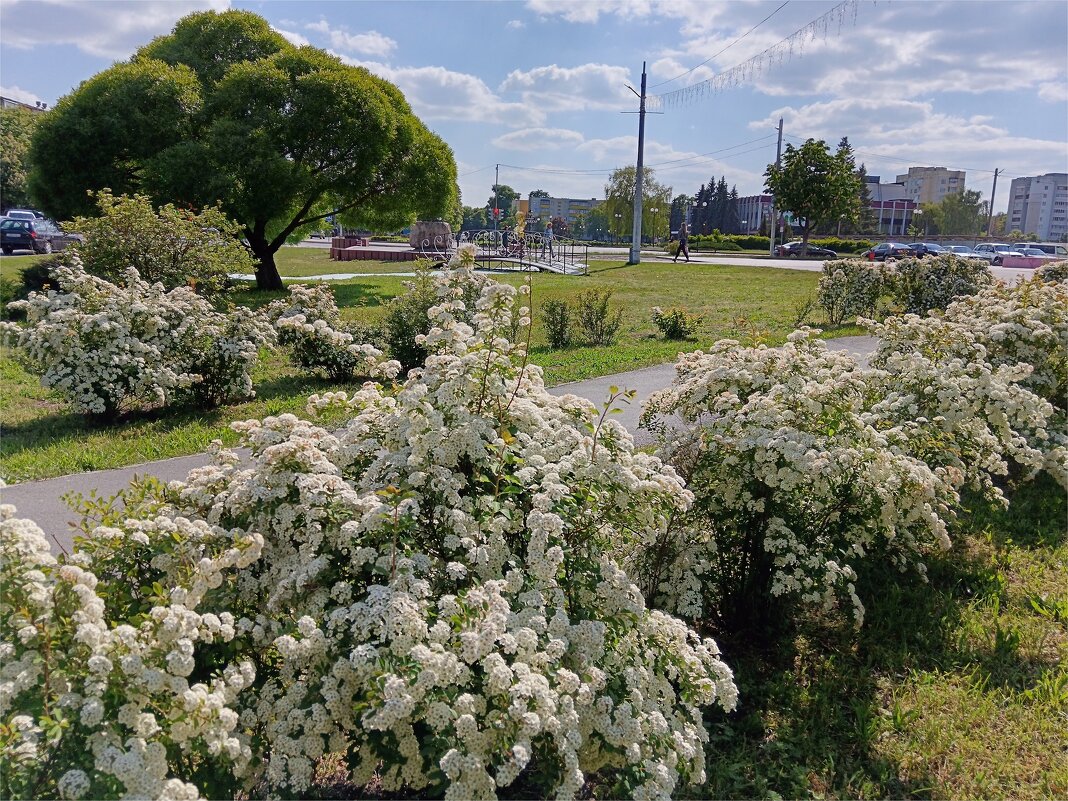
(1053, 271)
(173, 246)
(676, 322)
(558, 323)
(920, 285)
(850, 287)
(108, 347)
(599, 324)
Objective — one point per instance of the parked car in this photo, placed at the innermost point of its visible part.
(24, 214)
(39, 236)
(1034, 252)
(889, 250)
(921, 249)
(960, 250)
(1049, 248)
(794, 249)
(995, 252)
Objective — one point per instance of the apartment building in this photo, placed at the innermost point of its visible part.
(545, 208)
(931, 184)
(1039, 205)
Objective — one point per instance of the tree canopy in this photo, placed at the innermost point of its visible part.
(815, 185)
(17, 125)
(225, 110)
(619, 198)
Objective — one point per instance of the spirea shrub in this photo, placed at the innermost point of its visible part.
(792, 484)
(676, 322)
(431, 591)
(933, 282)
(98, 706)
(309, 323)
(557, 317)
(849, 288)
(407, 316)
(1053, 271)
(976, 386)
(107, 347)
(597, 321)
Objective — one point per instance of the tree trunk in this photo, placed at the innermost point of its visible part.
(267, 276)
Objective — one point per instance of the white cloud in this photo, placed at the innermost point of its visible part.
(1053, 91)
(437, 93)
(539, 139)
(370, 43)
(515, 24)
(293, 38)
(698, 14)
(106, 29)
(21, 95)
(585, 87)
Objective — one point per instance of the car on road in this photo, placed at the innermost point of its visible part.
(921, 249)
(23, 214)
(38, 236)
(889, 250)
(995, 252)
(794, 249)
(960, 250)
(1049, 248)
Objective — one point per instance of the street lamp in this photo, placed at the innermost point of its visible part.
(654, 211)
(618, 226)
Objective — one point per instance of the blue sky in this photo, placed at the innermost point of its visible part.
(540, 85)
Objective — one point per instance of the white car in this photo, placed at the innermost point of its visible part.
(994, 252)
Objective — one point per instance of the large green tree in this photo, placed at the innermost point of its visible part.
(17, 125)
(816, 185)
(619, 198)
(225, 110)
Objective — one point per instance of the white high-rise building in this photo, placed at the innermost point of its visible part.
(931, 184)
(1039, 205)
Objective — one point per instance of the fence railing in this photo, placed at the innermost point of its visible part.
(531, 251)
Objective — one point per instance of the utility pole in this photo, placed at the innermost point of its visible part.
(636, 230)
(774, 213)
(990, 211)
(496, 183)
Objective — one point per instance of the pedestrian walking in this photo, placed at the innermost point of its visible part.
(684, 243)
(549, 238)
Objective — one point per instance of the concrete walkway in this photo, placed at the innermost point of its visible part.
(41, 501)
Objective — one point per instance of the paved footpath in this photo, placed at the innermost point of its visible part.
(42, 502)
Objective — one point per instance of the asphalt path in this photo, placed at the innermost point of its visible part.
(42, 501)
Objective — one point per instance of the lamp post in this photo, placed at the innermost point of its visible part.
(619, 225)
(654, 211)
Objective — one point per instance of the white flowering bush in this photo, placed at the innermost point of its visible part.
(107, 347)
(431, 591)
(793, 485)
(98, 706)
(849, 288)
(309, 322)
(1053, 271)
(933, 282)
(976, 386)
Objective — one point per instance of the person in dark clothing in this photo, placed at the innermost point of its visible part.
(684, 243)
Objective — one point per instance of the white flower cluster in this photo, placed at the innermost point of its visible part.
(933, 282)
(1055, 271)
(106, 347)
(98, 709)
(793, 481)
(850, 287)
(983, 383)
(435, 594)
(310, 324)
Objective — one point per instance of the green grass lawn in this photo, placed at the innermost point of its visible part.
(41, 439)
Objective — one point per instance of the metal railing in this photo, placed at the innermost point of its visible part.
(505, 250)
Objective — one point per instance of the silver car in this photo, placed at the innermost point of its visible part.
(995, 252)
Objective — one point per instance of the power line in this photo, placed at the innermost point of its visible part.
(725, 49)
(899, 159)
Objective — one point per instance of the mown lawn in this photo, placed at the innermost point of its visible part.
(40, 439)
